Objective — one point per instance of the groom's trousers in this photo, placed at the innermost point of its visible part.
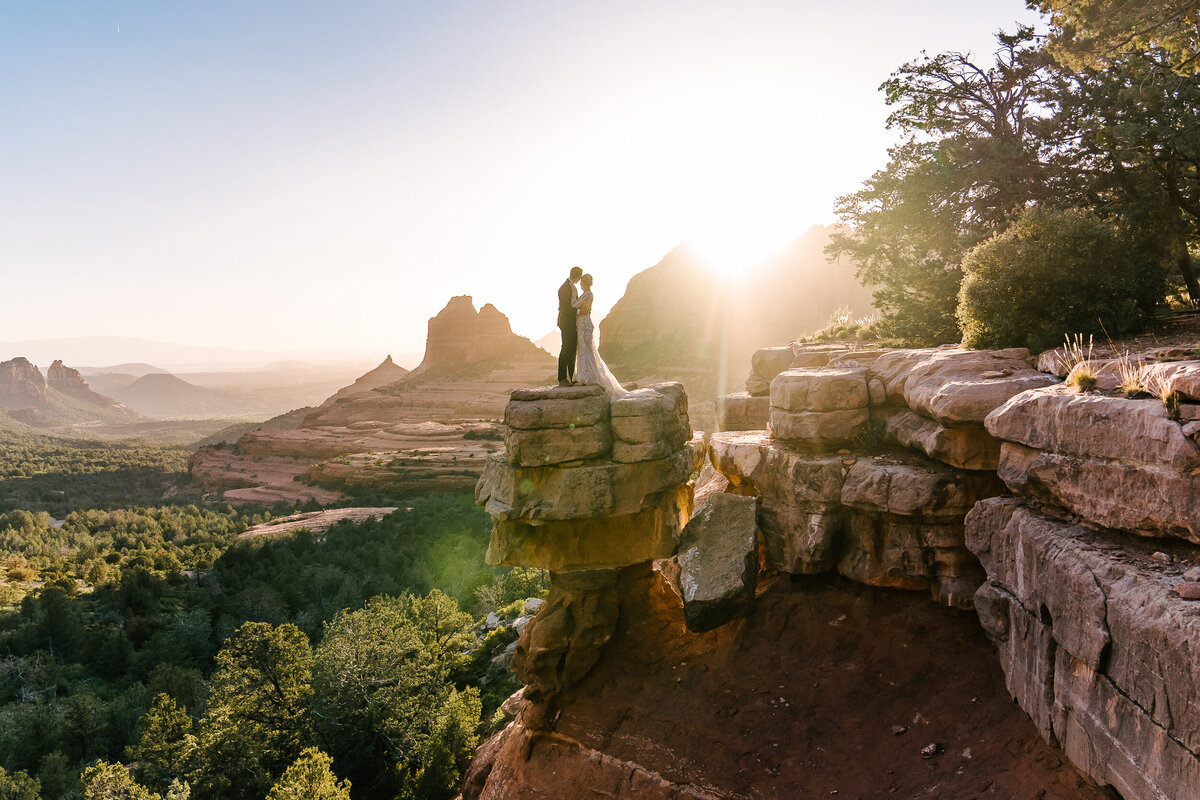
(566, 356)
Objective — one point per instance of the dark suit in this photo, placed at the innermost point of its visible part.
(570, 333)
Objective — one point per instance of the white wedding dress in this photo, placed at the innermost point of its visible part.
(590, 367)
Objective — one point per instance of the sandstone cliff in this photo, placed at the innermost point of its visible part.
(1067, 520)
(21, 384)
(709, 677)
(428, 430)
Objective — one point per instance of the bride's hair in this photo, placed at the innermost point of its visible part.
(586, 281)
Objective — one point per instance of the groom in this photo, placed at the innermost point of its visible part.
(566, 323)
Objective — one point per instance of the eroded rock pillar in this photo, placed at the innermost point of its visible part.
(592, 490)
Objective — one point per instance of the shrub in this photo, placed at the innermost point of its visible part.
(1055, 271)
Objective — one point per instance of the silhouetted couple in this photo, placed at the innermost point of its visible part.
(579, 343)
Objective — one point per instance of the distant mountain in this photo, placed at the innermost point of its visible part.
(680, 320)
(166, 396)
(121, 349)
(136, 369)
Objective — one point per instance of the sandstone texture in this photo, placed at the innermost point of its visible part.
(883, 521)
(742, 411)
(650, 423)
(1096, 647)
(1116, 462)
(718, 562)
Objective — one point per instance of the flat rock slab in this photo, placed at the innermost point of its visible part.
(556, 412)
(820, 389)
(718, 562)
(554, 392)
(1061, 420)
(956, 386)
(549, 446)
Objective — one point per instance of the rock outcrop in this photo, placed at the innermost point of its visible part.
(885, 468)
(718, 562)
(563, 501)
(385, 374)
(21, 384)
(460, 336)
(1088, 571)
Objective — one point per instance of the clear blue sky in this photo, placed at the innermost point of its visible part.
(298, 174)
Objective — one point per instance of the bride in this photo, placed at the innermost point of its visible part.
(591, 368)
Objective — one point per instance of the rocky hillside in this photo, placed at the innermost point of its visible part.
(785, 645)
(428, 430)
(681, 320)
(60, 401)
(385, 374)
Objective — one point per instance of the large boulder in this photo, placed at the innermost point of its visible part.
(650, 423)
(820, 389)
(718, 562)
(1088, 454)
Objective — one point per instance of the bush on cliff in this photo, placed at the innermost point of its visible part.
(1056, 272)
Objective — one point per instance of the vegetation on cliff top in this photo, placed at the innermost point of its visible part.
(984, 142)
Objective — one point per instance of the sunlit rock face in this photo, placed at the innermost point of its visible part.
(590, 489)
(21, 384)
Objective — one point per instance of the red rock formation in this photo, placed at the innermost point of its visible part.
(460, 336)
(393, 431)
(68, 381)
(21, 384)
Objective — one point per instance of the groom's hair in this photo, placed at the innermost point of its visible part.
(576, 273)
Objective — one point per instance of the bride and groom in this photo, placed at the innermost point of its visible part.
(579, 338)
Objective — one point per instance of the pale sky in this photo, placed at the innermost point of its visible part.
(293, 174)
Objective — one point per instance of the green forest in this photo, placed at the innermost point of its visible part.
(147, 651)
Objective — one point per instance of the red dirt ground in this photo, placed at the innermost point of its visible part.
(798, 701)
